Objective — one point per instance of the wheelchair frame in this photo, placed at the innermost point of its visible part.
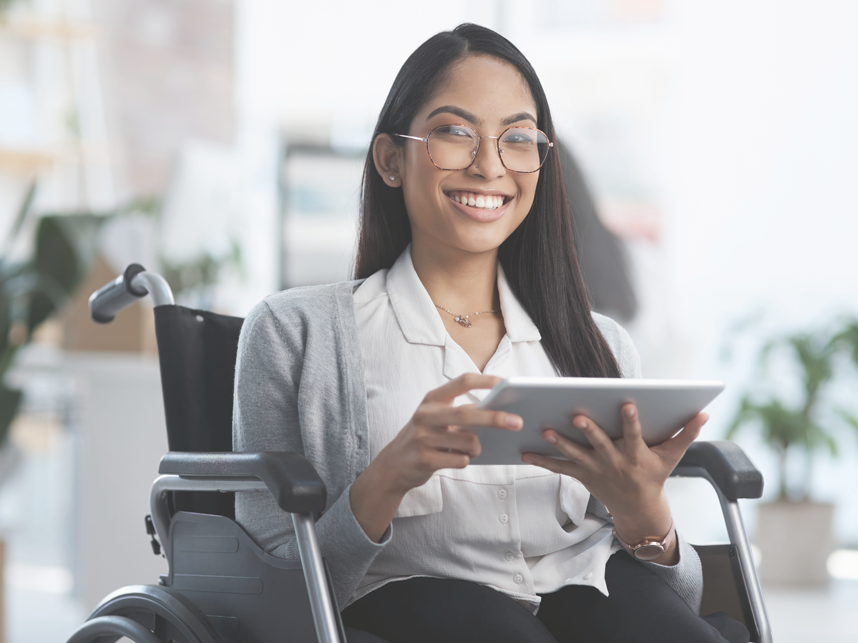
(321, 598)
(299, 491)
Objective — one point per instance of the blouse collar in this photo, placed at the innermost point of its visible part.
(418, 317)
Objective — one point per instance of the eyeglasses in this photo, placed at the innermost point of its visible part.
(455, 147)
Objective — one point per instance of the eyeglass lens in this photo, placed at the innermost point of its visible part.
(522, 149)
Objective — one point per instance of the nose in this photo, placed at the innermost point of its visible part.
(487, 164)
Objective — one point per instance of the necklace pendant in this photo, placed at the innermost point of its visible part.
(463, 321)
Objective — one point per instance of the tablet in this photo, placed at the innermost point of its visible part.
(664, 407)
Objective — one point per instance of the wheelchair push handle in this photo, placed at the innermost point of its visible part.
(133, 284)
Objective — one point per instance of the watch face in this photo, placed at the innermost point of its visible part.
(650, 551)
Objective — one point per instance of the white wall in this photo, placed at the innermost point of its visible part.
(758, 190)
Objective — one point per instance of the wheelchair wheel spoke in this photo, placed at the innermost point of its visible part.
(158, 627)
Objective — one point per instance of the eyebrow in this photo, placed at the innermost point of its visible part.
(476, 120)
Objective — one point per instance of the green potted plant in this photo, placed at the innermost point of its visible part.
(42, 280)
(794, 532)
(33, 287)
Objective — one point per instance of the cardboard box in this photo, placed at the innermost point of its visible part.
(131, 331)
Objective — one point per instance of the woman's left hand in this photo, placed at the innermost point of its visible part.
(626, 475)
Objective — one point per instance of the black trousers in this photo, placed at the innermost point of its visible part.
(641, 608)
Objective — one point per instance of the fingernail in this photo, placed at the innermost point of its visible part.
(629, 411)
(550, 437)
(514, 422)
(527, 459)
(581, 424)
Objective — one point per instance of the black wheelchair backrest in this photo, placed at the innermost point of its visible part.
(197, 351)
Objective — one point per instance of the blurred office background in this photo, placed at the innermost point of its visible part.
(221, 143)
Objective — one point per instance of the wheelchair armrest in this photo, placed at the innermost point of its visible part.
(290, 478)
(727, 465)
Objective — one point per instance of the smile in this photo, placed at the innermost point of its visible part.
(476, 200)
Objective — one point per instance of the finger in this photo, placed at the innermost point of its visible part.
(448, 460)
(567, 447)
(461, 385)
(462, 442)
(674, 448)
(468, 415)
(631, 424)
(554, 465)
(597, 438)
(633, 442)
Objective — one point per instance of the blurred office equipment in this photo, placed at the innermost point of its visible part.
(320, 192)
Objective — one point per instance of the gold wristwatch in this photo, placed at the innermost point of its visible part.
(649, 548)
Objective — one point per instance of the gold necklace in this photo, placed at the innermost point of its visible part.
(463, 320)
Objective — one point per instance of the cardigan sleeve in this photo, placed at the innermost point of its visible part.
(686, 577)
(268, 416)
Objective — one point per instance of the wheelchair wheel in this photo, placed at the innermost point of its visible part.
(165, 616)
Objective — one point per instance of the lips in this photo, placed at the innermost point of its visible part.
(486, 208)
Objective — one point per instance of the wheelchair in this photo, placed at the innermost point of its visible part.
(220, 586)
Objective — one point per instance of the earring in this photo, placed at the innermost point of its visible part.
(392, 178)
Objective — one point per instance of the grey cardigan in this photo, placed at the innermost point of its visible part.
(299, 386)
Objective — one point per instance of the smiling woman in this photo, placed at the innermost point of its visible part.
(467, 274)
(474, 203)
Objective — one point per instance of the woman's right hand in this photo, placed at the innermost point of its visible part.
(435, 438)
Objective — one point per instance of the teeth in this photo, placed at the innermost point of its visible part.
(479, 200)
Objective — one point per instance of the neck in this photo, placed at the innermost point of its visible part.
(463, 282)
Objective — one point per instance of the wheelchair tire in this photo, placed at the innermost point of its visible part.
(170, 616)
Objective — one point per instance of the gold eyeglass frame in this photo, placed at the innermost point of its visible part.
(425, 139)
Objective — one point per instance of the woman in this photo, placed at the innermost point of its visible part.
(469, 275)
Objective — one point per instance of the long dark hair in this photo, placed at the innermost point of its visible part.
(539, 258)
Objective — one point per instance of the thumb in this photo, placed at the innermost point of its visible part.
(673, 449)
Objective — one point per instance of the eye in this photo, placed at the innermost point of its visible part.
(454, 131)
(520, 136)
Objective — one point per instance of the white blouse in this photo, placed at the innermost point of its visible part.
(519, 529)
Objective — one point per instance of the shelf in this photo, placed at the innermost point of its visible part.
(48, 29)
(24, 161)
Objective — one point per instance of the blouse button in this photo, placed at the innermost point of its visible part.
(504, 518)
(518, 578)
(588, 575)
(509, 556)
(501, 493)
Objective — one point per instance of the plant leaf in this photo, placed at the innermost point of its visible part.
(65, 248)
(10, 400)
(848, 418)
(23, 211)
(848, 338)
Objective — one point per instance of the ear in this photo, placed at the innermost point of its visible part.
(388, 160)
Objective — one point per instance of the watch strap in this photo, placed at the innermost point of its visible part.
(649, 548)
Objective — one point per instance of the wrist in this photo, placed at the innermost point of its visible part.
(381, 481)
(373, 502)
(651, 548)
(644, 518)
(386, 477)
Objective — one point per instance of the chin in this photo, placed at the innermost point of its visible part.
(478, 244)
